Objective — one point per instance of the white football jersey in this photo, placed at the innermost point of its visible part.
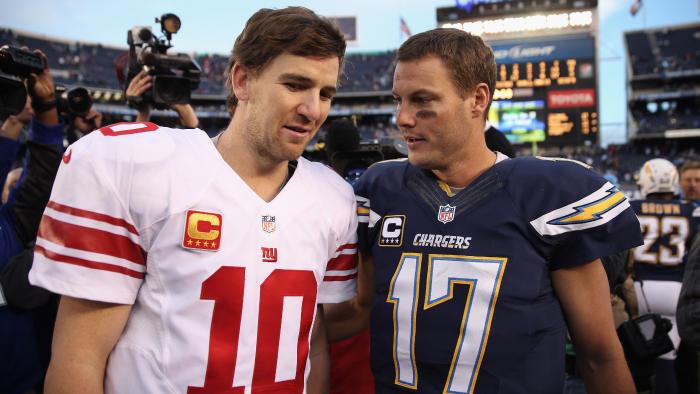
(224, 285)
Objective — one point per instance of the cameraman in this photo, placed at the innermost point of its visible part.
(10, 131)
(21, 217)
(20, 367)
(134, 95)
(79, 126)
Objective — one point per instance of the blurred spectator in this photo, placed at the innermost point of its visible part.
(690, 180)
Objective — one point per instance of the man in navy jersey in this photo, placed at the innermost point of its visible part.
(668, 223)
(480, 263)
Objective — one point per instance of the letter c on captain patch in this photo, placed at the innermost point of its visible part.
(202, 230)
(392, 230)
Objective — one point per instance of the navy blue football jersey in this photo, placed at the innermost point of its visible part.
(668, 228)
(464, 300)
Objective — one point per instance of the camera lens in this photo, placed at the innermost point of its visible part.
(145, 35)
(13, 96)
(171, 89)
(79, 101)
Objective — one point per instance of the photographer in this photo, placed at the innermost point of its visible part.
(140, 84)
(9, 146)
(79, 126)
(21, 217)
(20, 367)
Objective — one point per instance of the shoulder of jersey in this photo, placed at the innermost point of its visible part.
(139, 142)
(537, 170)
(324, 176)
(695, 210)
(392, 169)
(550, 189)
(535, 166)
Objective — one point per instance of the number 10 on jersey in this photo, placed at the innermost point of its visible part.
(482, 274)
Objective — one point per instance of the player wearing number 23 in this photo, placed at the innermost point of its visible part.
(478, 259)
(192, 265)
(669, 226)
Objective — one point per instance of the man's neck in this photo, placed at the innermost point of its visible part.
(461, 173)
(264, 177)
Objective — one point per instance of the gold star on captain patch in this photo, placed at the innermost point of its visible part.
(197, 243)
(206, 244)
(213, 244)
(189, 242)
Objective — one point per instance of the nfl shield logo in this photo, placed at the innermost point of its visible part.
(268, 223)
(446, 213)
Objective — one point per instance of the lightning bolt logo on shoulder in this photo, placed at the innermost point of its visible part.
(593, 210)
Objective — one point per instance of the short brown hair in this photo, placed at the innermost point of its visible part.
(269, 33)
(467, 57)
(689, 165)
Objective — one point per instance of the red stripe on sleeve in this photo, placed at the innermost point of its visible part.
(89, 264)
(346, 246)
(90, 240)
(328, 278)
(342, 262)
(93, 215)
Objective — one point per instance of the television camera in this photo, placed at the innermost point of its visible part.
(17, 64)
(174, 76)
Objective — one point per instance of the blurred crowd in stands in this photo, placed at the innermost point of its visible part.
(622, 162)
(663, 74)
(655, 117)
(94, 65)
(663, 51)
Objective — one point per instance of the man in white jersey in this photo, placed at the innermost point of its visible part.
(192, 265)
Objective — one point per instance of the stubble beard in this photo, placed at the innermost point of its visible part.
(259, 141)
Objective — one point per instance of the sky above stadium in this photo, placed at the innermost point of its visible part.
(211, 26)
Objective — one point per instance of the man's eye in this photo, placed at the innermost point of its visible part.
(293, 86)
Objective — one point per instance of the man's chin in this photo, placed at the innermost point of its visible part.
(293, 154)
(418, 161)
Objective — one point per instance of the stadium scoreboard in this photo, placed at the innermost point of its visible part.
(546, 91)
(546, 79)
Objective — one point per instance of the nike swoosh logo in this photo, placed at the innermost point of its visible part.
(66, 156)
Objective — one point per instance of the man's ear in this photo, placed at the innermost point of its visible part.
(482, 98)
(240, 82)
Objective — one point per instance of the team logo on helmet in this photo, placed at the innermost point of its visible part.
(658, 176)
(202, 231)
(446, 213)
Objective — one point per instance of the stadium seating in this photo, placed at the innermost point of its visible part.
(94, 65)
(664, 50)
